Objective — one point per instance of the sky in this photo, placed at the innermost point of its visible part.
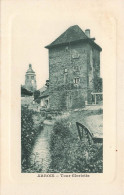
(35, 24)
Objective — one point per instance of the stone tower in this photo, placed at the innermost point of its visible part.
(74, 69)
(30, 79)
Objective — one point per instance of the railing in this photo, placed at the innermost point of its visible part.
(96, 95)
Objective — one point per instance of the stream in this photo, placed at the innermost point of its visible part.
(40, 156)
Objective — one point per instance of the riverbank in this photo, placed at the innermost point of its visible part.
(55, 145)
(68, 153)
(31, 126)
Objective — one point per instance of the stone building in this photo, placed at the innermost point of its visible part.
(30, 79)
(41, 97)
(44, 99)
(74, 69)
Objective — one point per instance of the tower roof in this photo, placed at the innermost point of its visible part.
(30, 70)
(72, 34)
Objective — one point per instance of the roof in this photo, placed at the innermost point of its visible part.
(42, 89)
(41, 93)
(95, 124)
(44, 94)
(72, 34)
(24, 92)
(30, 70)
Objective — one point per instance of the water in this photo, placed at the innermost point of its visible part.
(40, 156)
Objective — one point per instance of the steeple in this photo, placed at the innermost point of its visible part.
(30, 79)
(30, 69)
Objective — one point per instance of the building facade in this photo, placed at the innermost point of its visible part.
(74, 69)
(44, 99)
(30, 79)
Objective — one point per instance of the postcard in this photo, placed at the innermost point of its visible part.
(59, 90)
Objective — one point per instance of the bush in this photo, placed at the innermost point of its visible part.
(70, 155)
(28, 136)
(49, 117)
(100, 111)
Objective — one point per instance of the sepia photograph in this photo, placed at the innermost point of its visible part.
(61, 121)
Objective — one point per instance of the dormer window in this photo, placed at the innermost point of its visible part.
(76, 80)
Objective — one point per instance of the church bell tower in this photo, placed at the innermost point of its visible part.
(30, 79)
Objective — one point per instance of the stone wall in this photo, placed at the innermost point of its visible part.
(67, 65)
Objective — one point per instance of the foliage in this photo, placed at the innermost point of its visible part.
(98, 84)
(28, 135)
(69, 154)
(100, 111)
(49, 117)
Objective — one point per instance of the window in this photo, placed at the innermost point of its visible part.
(32, 77)
(66, 70)
(76, 80)
(76, 68)
(65, 78)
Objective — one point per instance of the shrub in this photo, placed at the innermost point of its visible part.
(28, 135)
(49, 117)
(100, 111)
(69, 154)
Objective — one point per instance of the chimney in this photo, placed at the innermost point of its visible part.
(87, 32)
